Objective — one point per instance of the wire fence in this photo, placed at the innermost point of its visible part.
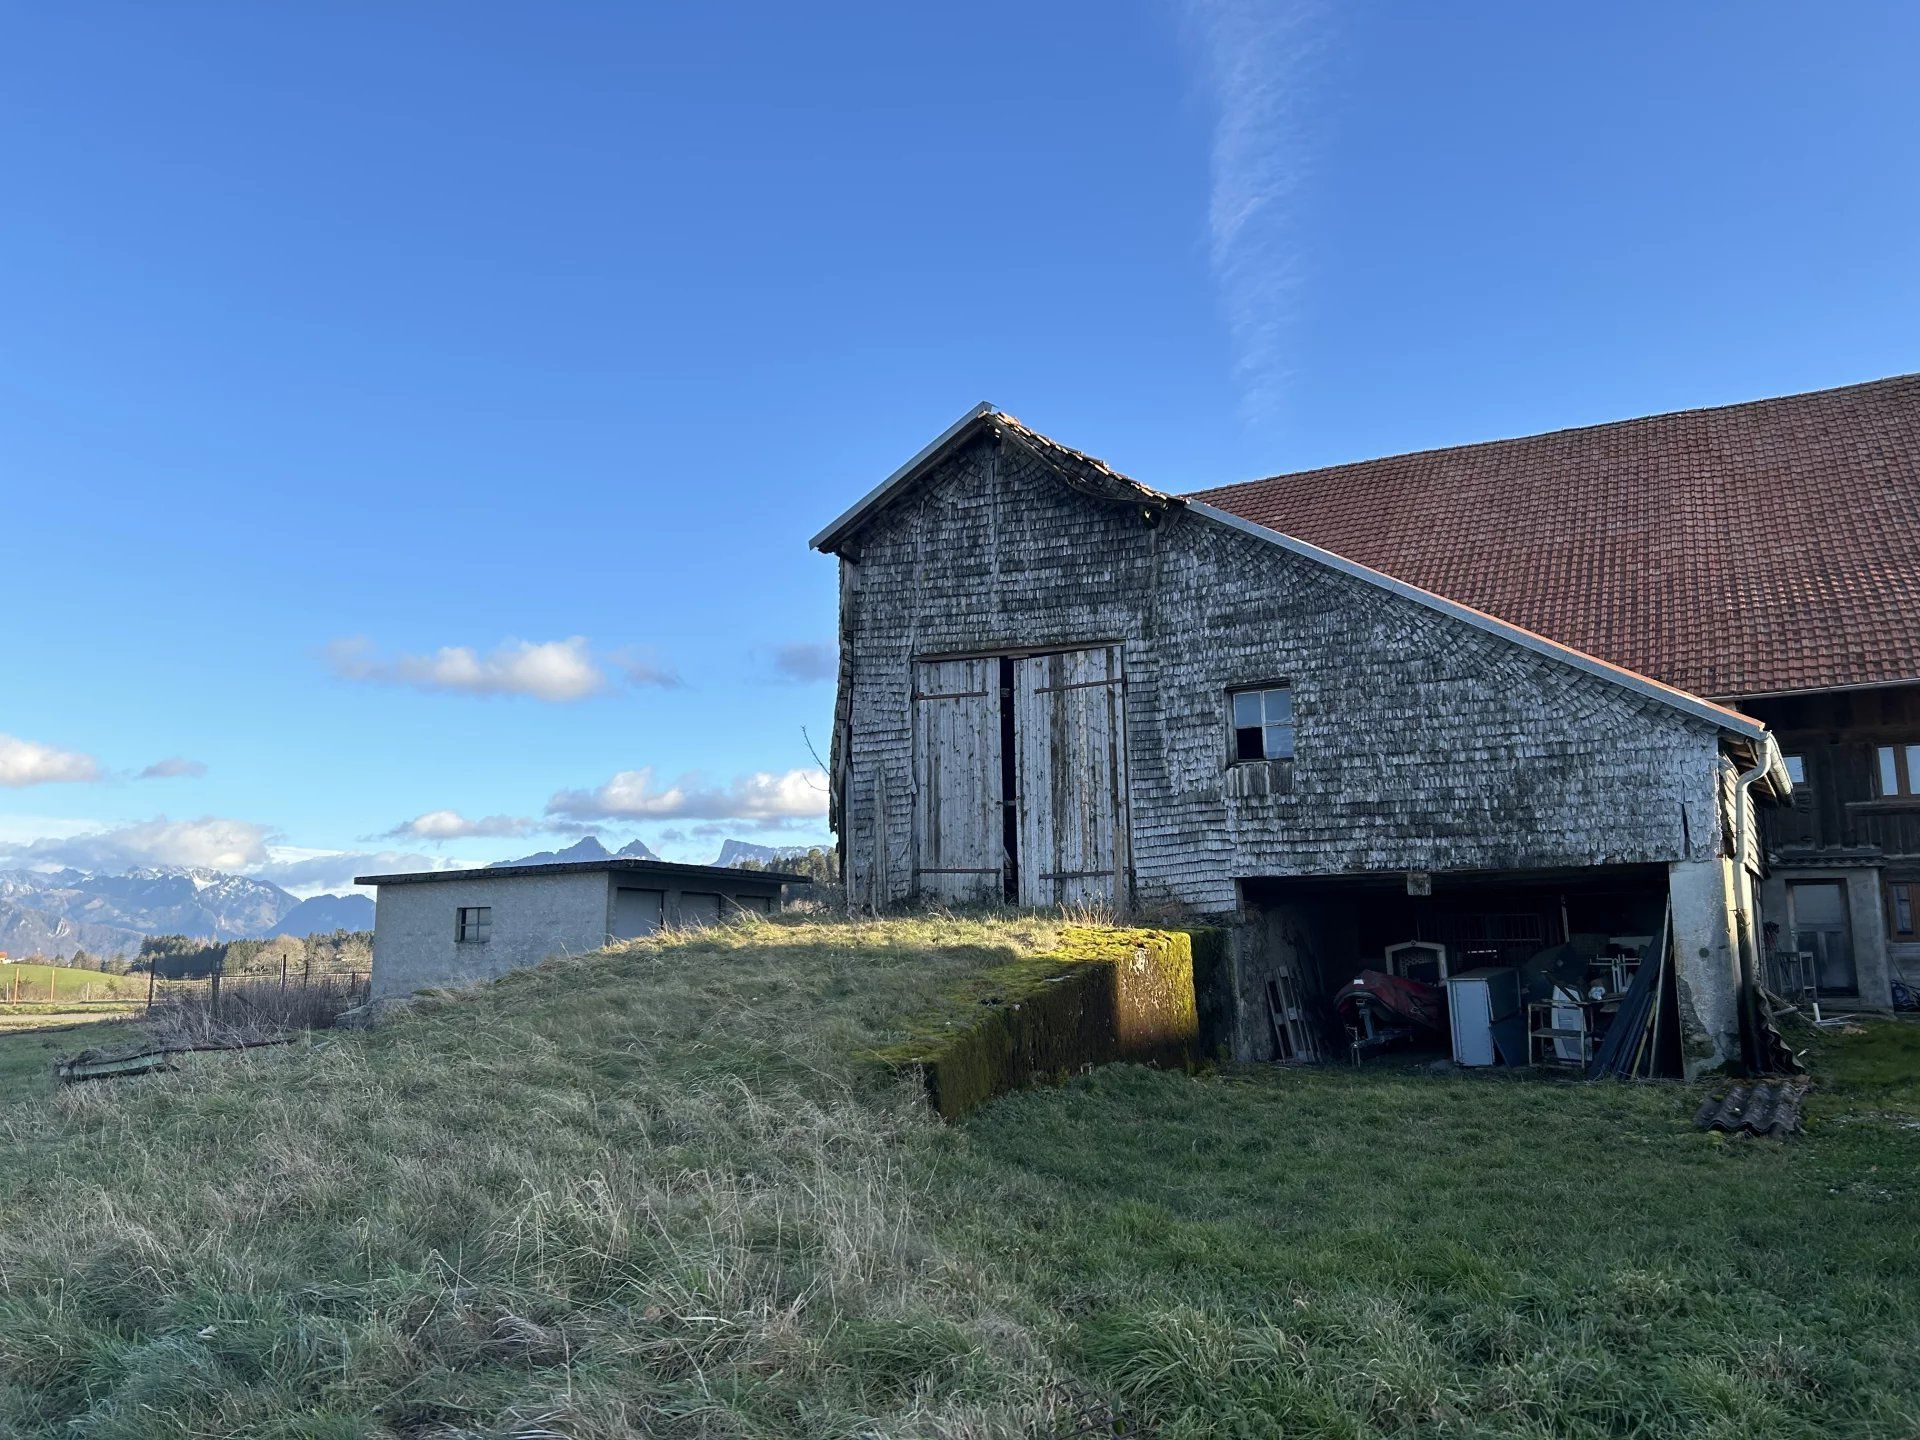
(255, 1002)
(56, 985)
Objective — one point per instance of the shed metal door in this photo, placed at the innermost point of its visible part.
(636, 912)
(959, 849)
(1071, 746)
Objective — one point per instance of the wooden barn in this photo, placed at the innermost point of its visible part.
(1061, 686)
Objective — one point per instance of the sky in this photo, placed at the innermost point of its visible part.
(413, 417)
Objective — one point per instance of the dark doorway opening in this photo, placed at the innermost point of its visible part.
(1563, 934)
(1009, 787)
(1822, 928)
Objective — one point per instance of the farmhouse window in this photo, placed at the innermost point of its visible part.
(474, 924)
(1899, 770)
(1262, 723)
(1796, 769)
(1903, 901)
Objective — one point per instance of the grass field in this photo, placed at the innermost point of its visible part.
(647, 1194)
(33, 983)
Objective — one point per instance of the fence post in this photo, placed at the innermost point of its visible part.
(153, 974)
(213, 992)
(283, 973)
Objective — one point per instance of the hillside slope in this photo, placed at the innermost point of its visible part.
(33, 982)
(649, 1194)
(319, 914)
(640, 1194)
(27, 931)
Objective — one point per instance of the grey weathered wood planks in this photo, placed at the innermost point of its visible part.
(1423, 743)
(1070, 737)
(958, 853)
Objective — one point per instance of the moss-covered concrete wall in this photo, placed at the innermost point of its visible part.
(1105, 995)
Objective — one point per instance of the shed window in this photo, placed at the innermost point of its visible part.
(1899, 770)
(1903, 902)
(1262, 723)
(474, 924)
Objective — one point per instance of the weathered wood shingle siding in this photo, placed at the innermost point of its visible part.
(1422, 742)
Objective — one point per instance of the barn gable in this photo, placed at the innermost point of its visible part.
(1092, 477)
(1044, 666)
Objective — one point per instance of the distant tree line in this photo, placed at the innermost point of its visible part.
(820, 864)
(187, 957)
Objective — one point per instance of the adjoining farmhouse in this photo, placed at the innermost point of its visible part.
(1278, 705)
(442, 928)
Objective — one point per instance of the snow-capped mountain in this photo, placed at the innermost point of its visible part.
(174, 901)
(59, 912)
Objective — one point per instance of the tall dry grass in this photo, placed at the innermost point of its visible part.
(643, 1193)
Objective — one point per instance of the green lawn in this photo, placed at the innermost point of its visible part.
(649, 1194)
(34, 983)
(26, 1059)
(1340, 1252)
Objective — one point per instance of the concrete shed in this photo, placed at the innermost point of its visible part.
(442, 928)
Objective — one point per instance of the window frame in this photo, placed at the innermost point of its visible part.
(1896, 891)
(1899, 761)
(1262, 689)
(1793, 763)
(472, 924)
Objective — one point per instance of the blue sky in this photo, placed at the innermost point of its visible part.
(421, 410)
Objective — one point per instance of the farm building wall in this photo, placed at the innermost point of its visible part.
(537, 914)
(534, 916)
(1422, 742)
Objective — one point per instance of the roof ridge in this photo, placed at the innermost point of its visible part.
(1499, 440)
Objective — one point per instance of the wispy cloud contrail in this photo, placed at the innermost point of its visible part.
(1257, 58)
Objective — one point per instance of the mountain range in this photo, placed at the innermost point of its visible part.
(586, 851)
(60, 911)
(56, 912)
(582, 852)
(736, 851)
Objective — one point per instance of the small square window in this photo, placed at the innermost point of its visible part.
(474, 924)
(1262, 723)
(1796, 769)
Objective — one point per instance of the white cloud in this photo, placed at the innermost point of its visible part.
(25, 762)
(554, 670)
(172, 767)
(1257, 58)
(236, 846)
(305, 872)
(764, 796)
(806, 663)
(210, 842)
(440, 826)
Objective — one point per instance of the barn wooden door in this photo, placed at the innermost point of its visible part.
(1070, 750)
(959, 849)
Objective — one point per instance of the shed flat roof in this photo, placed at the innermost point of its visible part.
(660, 869)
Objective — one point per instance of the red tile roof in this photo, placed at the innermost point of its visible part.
(1744, 550)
